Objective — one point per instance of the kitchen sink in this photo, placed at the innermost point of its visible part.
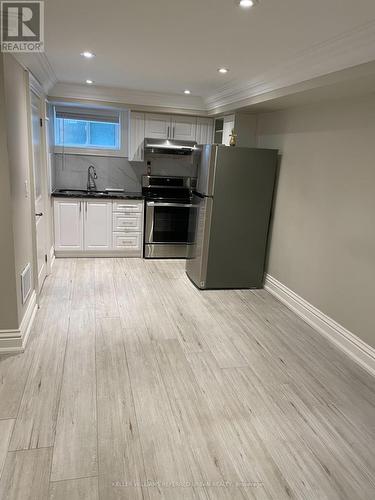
(71, 191)
(80, 192)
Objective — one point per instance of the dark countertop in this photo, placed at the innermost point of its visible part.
(111, 195)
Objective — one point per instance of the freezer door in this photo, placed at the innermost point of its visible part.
(200, 222)
(206, 169)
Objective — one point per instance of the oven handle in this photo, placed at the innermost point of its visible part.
(157, 204)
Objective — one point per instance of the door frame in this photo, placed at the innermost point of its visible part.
(34, 86)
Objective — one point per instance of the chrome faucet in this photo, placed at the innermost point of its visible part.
(91, 176)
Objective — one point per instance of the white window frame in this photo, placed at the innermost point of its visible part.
(123, 152)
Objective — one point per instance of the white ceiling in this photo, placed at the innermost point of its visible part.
(169, 45)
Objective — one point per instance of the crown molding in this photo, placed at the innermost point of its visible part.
(135, 99)
(38, 64)
(310, 68)
(349, 49)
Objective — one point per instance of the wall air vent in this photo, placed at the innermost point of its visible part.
(26, 283)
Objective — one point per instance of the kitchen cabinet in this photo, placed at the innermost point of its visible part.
(183, 128)
(180, 128)
(136, 136)
(127, 221)
(90, 227)
(131, 243)
(157, 126)
(244, 125)
(68, 220)
(228, 126)
(97, 225)
(128, 227)
(205, 128)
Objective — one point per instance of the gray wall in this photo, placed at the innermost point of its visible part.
(17, 119)
(8, 297)
(70, 171)
(323, 235)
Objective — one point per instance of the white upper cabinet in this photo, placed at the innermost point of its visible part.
(228, 126)
(180, 128)
(68, 224)
(136, 136)
(98, 225)
(205, 129)
(157, 126)
(183, 128)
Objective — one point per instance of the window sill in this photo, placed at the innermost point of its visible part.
(117, 153)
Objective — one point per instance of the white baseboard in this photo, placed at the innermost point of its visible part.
(359, 351)
(14, 341)
(96, 253)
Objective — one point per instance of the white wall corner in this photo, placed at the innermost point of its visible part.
(14, 341)
(346, 341)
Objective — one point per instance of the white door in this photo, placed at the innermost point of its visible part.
(136, 136)
(184, 128)
(205, 129)
(98, 225)
(68, 217)
(157, 126)
(38, 180)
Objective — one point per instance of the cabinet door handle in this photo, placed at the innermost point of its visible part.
(174, 128)
(80, 206)
(168, 133)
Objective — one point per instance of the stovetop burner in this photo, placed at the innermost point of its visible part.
(167, 189)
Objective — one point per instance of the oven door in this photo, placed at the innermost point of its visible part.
(168, 223)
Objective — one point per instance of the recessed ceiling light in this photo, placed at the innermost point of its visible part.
(246, 3)
(223, 70)
(87, 54)
(187, 91)
(89, 82)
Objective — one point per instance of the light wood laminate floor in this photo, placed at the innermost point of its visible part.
(135, 385)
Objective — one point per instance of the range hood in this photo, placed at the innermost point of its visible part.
(169, 147)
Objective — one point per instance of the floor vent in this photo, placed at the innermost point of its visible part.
(26, 283)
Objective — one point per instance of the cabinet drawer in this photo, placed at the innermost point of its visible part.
(127, 222)
(128, 206)
(127, 241)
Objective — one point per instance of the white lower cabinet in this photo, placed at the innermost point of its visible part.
(128, 241)
(98, 227)
(128, 227)
(127, 222)
(68, 220)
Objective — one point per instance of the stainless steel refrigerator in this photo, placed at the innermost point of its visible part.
(230, 216)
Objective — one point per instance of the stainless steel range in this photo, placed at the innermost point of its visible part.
(168, 205)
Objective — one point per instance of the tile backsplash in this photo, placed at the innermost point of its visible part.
(70, 171)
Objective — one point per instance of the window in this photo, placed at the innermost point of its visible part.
(88, 130)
